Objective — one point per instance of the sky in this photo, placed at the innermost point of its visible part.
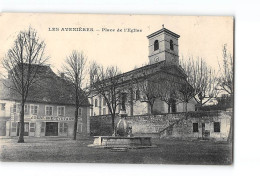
(200, 36)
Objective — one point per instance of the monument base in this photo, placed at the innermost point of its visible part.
(120, 142)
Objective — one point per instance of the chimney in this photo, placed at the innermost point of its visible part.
(62, 75)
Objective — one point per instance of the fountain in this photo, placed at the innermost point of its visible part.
(122, 137)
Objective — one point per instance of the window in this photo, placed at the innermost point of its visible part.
(216, 126)
(79, 112)
(18, 107)
(42, 127)
(79, 129)
(195, 127)
(34, 109)
(32, 127)
(137, 94)
(171, 44)
(14, 108)
(104, 102)
(63, 127)
(3, 106)
(48, 110)
(156, 45)
(61, 110)
(96, 102)
(104, 111)
(13, 127)
(26, 109)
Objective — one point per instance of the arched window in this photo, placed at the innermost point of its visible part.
(96, 102)
(137, 94)
(104, 102)
(171, 44)
(156, 45)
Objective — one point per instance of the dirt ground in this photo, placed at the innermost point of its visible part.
(168, 151)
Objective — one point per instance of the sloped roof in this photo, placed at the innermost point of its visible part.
(163, 30)
(50, 89)
(149, 70)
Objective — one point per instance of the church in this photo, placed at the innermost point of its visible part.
(147, 90)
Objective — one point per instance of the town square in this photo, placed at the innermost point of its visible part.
(96, 94)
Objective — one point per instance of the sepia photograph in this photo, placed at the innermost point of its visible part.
(122, 89)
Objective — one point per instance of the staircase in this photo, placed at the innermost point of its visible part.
(164, 133)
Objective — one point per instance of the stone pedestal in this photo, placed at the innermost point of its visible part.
(122, 127)
(118, 142)
(122, 137)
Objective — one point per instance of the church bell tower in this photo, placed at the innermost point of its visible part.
(163, 45)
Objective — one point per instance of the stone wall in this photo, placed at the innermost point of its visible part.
(184, 128)
(176, 125)
(141, 124)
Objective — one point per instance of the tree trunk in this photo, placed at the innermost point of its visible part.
(186, 107)
(75, 124)
(113, 123)
(186, 110)
(230, 134)
(151, 105)
(21, 124)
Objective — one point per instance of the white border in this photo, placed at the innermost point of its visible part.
(247, 120)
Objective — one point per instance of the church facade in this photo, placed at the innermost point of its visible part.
(136, 85)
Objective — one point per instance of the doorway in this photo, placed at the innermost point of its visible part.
(2, 128)
(51, 129)
(26, 129)
(205, 133)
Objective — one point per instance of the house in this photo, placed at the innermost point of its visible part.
(49, 109)
(163, 67)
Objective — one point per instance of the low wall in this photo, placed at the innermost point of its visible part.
(184, 128)
(141, 124)
(144, 125)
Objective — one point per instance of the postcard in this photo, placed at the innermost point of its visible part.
(103, 88)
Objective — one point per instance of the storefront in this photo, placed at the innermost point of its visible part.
(39, 126)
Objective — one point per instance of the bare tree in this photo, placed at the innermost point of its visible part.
(150, 89)
(75, 71)
(23, 62)
(226, 82)
(186, 91)
(205, 82)
(202, 78)
(169, 92)
(185, 94)
(105, 83)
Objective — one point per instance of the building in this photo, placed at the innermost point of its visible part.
(49, 109)
(163, 64)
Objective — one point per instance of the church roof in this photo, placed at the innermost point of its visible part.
(50, 89)
(163, 30)
(150, 70)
